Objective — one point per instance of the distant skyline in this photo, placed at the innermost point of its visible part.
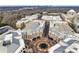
(39, 2)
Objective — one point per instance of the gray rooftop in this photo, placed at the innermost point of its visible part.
(10, 48)
(62, 48)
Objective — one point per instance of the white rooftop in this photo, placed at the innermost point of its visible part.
(71, 10)
(55, 18)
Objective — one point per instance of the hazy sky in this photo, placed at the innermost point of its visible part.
(39, 2)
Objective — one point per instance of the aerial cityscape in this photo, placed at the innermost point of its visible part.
(39, 29)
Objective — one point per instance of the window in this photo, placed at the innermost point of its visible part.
(77, 26)
(75, 48)
(70, 52)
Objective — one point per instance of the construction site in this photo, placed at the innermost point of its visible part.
(43, 33)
